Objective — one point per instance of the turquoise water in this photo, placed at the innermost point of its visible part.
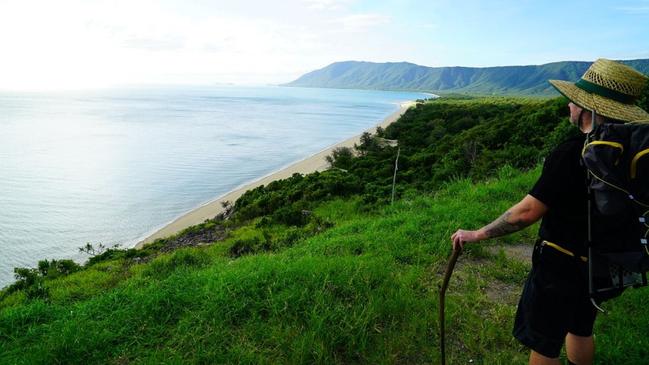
(113, 166)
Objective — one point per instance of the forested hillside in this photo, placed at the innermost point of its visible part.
(506, 80)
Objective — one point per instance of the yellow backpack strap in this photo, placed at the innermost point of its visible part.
(606, 143)
(563, 250)
(634, 162)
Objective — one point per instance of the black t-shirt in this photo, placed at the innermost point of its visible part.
(562, 187)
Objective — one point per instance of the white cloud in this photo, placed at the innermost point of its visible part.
(636, 7)
(358, 22)
(79, 44)
(74, 45)
(429, 26)
(85, 43)
(157, 43)
(327, 4)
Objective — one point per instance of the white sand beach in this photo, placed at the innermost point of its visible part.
(310, 164)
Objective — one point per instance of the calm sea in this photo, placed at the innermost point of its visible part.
(113, 166)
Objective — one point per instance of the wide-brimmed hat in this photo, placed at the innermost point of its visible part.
(609, 88)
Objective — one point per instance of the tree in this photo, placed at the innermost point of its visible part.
(341, 158)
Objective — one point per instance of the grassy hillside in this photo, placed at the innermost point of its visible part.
(505, 80)
(364, 291)
(321, 268)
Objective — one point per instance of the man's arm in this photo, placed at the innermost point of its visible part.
(521, 215)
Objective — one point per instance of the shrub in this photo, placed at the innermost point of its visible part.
(30, 281)
(245, 247)
(290, 215)
(56, 268)
(341, 157)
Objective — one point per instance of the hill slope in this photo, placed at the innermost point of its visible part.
(365, 291)
(506, 80)
(321, 268)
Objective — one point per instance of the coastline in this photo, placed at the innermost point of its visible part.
(315, 162)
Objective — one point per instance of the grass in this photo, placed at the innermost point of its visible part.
(363, 291)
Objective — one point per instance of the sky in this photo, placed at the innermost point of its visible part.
(76, 44)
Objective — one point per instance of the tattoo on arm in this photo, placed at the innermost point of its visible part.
(503, 226)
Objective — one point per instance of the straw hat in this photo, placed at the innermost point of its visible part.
(609, 88)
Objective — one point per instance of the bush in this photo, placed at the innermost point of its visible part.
(290, 215)
(246, 246)
(32, 281)
(341, 157)
(56, 268)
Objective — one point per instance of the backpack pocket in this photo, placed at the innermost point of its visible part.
(604, 163)
(639, 162)
(639, 173)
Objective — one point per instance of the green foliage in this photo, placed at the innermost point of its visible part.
(368, 144)
(340, 158)
(364, 291)
(295, 194)
(32, 281)
(276, 237)
(643, 102)
(290, 215)
(101, 253)
(439, 140)
(460, 138)
(247, 246)
(361, 292)
(56, 268)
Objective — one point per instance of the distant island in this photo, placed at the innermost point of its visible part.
(402, 76)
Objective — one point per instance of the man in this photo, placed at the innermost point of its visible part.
(555, 304)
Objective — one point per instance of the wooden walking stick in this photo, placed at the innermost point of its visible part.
(442, 295)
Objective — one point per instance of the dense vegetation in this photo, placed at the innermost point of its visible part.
(322, 268)
(438, 141)
(507, 80)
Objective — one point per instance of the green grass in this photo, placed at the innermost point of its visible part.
(363, 291)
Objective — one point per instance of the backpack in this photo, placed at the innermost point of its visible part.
(616, 157)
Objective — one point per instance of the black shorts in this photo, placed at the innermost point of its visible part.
(555, 301)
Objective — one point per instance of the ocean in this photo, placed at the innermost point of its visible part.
(114, 166)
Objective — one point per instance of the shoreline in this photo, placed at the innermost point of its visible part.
(315, 162)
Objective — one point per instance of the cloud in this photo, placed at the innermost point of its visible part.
(168, 43)
(326, 4)
(635, 9)
(638, 8)
(360, 22)
(429, 26)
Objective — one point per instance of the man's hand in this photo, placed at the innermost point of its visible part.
(462, 236)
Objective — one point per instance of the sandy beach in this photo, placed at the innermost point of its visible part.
(310, 164)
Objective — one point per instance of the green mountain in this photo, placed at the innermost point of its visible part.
(505, 80)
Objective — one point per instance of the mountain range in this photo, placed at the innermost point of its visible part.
(405, 76)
